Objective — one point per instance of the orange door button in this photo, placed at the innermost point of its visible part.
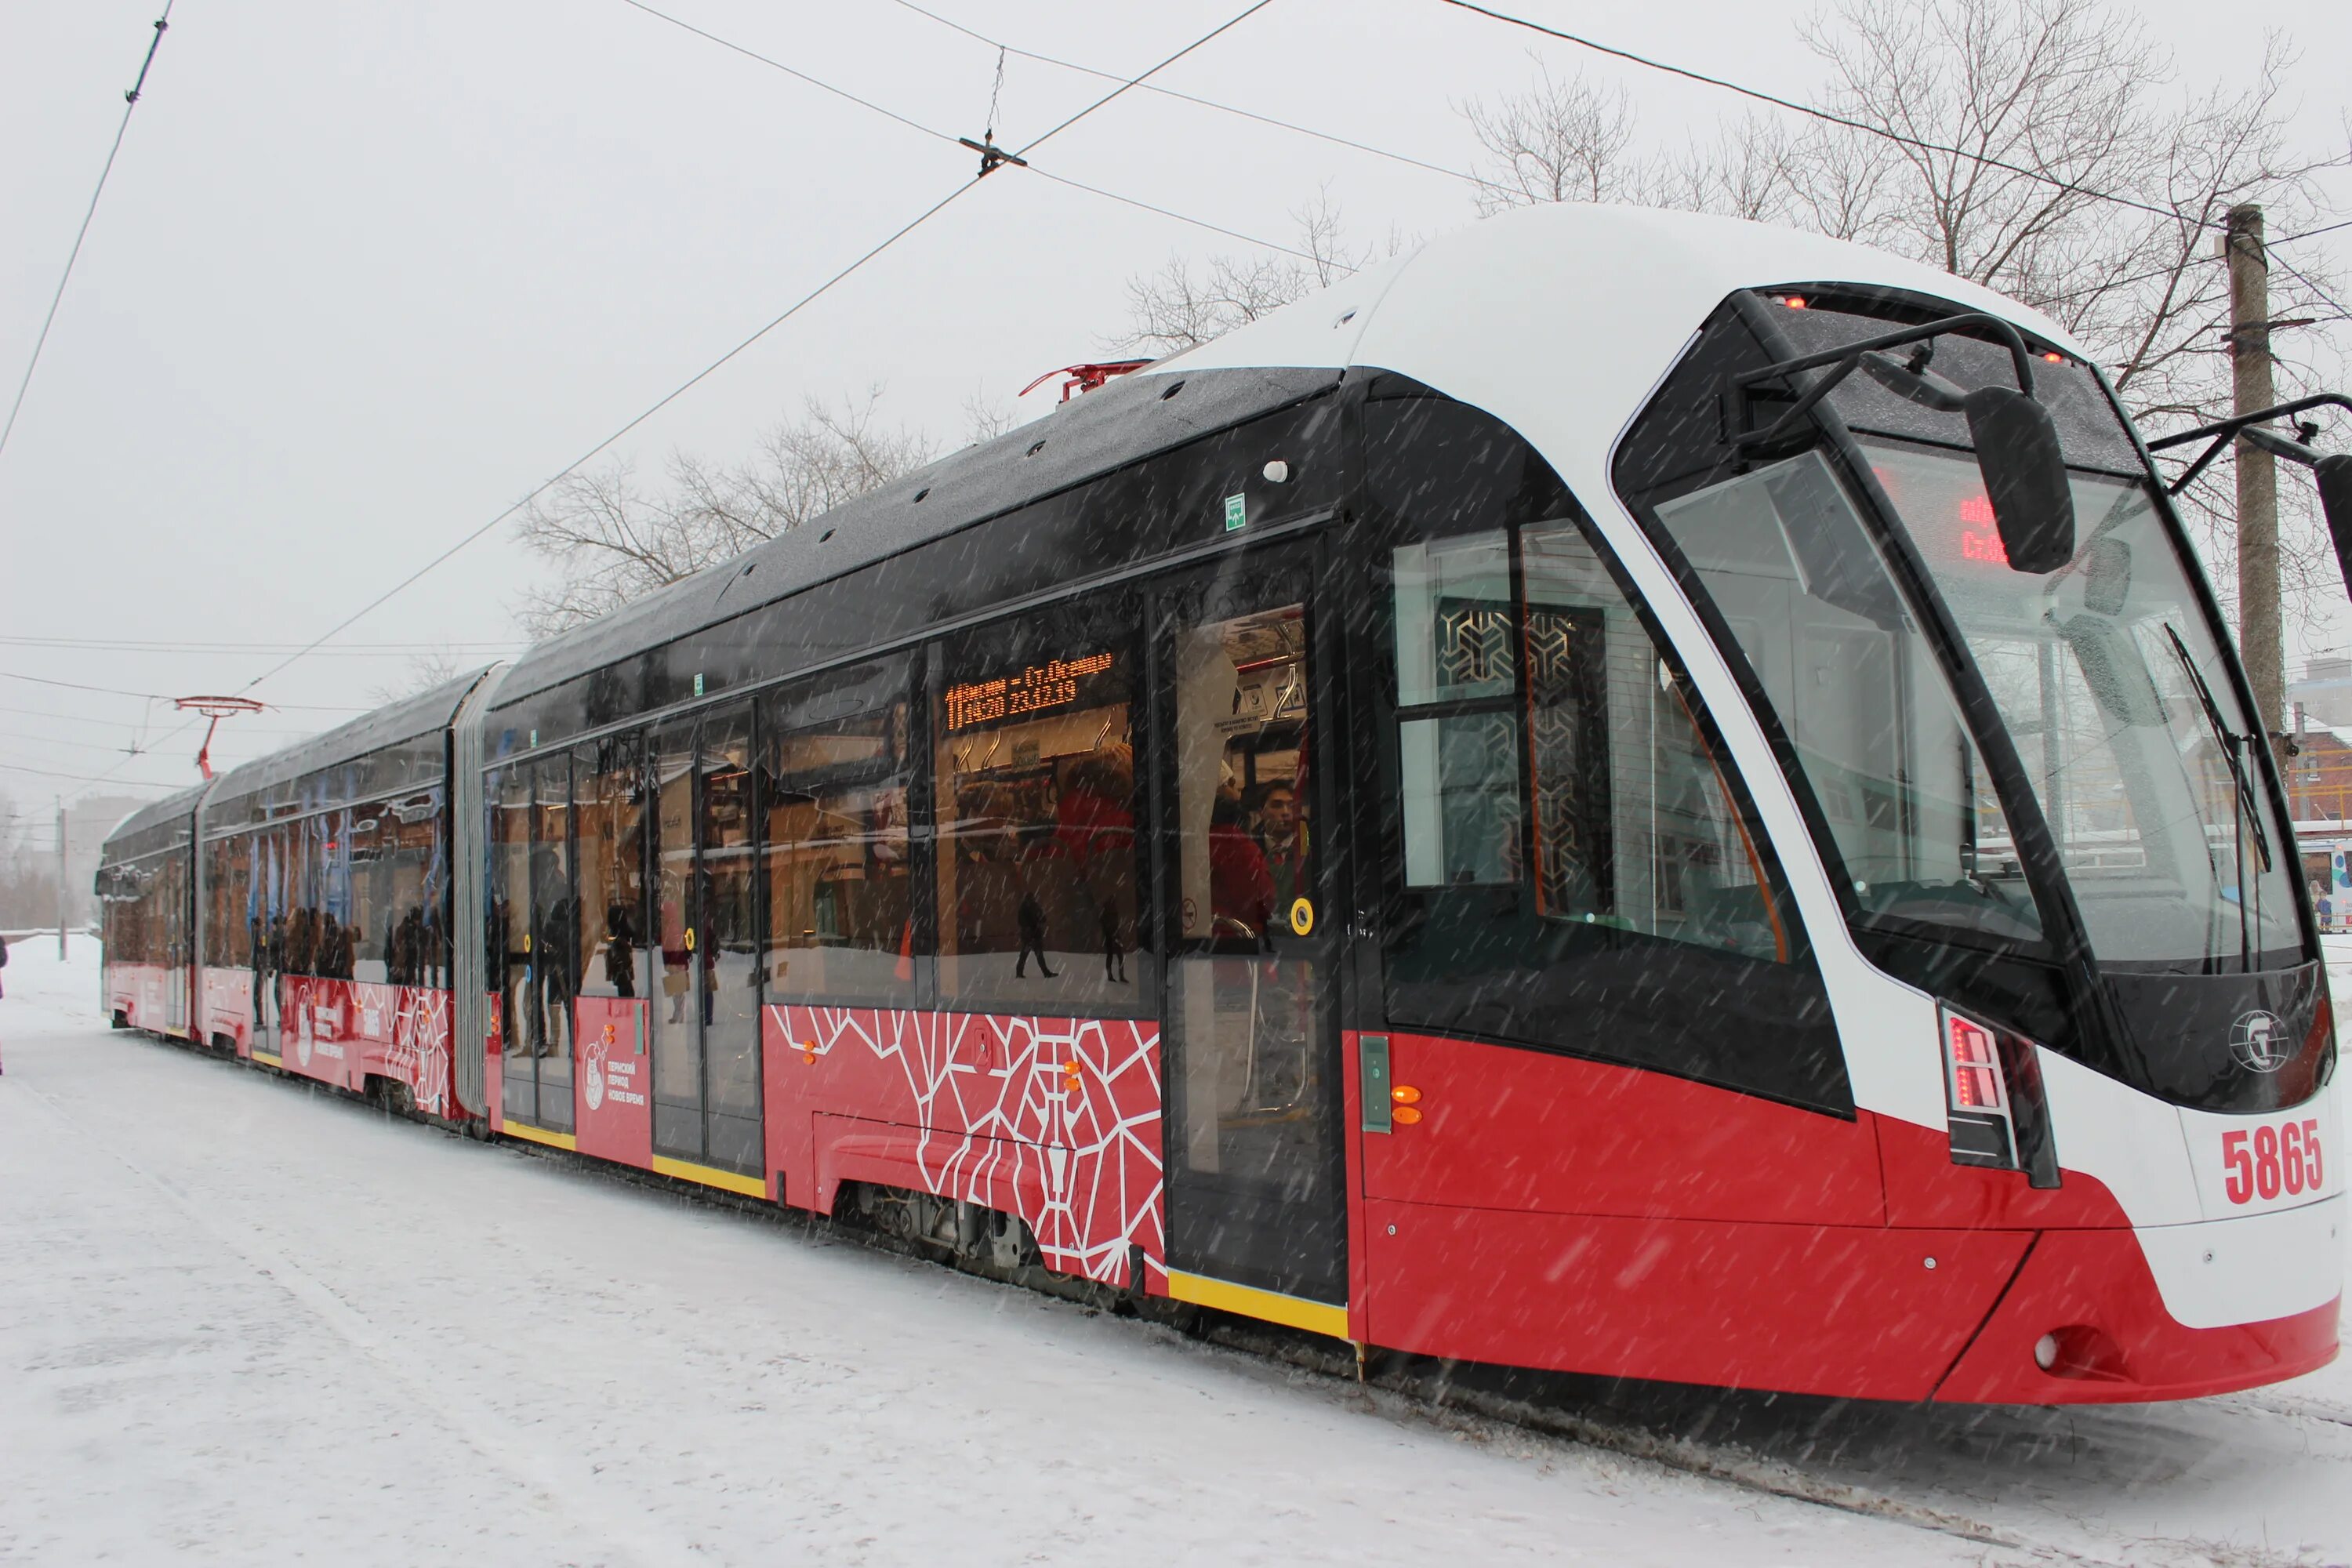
(1406, 1110)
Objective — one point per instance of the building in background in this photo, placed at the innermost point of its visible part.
(29, 858)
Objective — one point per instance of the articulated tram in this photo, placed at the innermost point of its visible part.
(1626, 793)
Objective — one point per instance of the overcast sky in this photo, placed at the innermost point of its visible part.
(364, 274)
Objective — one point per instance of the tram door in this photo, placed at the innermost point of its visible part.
(1254, 1159)
(706, 1020)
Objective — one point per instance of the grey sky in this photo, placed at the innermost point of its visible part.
(364, 274)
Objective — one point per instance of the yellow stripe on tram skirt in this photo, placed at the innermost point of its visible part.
(539, 1135)
(1269, 1306)
(710, 1177)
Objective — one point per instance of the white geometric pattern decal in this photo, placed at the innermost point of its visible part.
(1008, 1108)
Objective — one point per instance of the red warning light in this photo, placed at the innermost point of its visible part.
(1794, 301)
(1976, 1075)
(2053, 356)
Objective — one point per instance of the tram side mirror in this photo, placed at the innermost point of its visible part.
(2025, 477)
(2334, 475)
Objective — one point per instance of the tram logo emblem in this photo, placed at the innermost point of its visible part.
(2260, 1041)
(592, 1083)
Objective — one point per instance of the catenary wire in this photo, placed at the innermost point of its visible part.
(242, 729)
(665, 401)
(793, 71)
(107, 777)
(1180, 217)
(1036, 142)
(138, 644)
(78, 745)
(131, 104)
(943, 136)
(1821, 114)
(1292, 126)
(165, 696)
(787, 314)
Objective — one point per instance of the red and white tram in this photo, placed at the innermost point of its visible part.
(1624, 792)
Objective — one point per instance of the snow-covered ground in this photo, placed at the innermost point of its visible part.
(244, 1323)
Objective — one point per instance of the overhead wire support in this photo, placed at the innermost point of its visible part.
(1292, 126)
(130, 102)
(774, 322)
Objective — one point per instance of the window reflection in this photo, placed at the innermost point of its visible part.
(840, 913)
(1035, 770)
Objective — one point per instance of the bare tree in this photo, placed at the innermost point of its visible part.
(612, 539)
(1993, 134)
(1557, 142)
(1177, 308)
(423, 672)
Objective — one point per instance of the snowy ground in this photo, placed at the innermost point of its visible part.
(244, 1323)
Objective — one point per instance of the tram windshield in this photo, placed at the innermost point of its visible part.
(2105, 672)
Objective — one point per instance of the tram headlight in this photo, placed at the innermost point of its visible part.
(1995, 1110)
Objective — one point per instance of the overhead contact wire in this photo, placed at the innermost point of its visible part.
(131, 104)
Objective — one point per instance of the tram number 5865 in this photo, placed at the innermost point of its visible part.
(2282, 1157)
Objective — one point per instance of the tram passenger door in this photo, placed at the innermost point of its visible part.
(1254, 1162)
(706, 1021)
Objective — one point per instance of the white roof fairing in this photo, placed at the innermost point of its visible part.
(1560, 319)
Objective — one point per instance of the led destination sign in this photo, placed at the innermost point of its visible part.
(1038, 689)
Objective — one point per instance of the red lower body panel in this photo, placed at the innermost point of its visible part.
(1850, 1311)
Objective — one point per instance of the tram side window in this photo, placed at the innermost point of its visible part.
(1033, 726)
(1575, 870)
(837, 775)
(506, 912)
(228, 938)
(414, 950)
(608, 781)
(369, 918)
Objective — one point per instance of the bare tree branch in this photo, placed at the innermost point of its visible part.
(613, 539)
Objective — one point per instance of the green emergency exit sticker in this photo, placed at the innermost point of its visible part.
(698, 685)
(1236, 513)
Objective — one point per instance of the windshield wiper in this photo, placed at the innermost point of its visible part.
(2248, 813)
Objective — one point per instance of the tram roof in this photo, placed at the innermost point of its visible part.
(406, 720)
(1127, 421)
(155, 812)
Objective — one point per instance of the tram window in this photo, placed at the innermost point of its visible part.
(368, 887)
(836, 772)
(555, 922)
(1456, 650)
(729, 939)
(508, 915)
(228, 940)
(1033, 728)
(415, 861)
(1571, 855)
(608, 777)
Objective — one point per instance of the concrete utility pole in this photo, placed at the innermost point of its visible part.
(61, 876)
(2259, 640)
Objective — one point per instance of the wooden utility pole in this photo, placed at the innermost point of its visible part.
(2259, 639)
(61, 876)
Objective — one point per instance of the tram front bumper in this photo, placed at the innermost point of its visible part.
(2168, 1312)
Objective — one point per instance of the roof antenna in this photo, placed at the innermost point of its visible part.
(990, 154)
